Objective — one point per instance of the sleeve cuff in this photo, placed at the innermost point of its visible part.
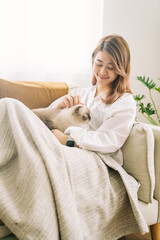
(77, 133)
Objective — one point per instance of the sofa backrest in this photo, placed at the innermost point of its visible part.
(33, 94)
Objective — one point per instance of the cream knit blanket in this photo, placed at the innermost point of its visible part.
(51, 192)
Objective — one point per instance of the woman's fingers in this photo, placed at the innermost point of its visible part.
(69, 101)
(65, 102)
(76, 99)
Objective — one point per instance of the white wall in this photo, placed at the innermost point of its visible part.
(138, 21)
(49, 40)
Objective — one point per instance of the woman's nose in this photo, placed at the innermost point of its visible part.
(103, 71)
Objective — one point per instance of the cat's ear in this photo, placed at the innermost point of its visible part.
(77, 109)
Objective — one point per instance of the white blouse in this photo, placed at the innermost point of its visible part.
(110, 124)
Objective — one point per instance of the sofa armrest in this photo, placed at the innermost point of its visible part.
(156, 132)
(141, 153)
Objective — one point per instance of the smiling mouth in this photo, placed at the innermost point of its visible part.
(103, 77)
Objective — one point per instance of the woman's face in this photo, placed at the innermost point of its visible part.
(103, 69)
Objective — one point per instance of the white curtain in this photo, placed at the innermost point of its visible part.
(49, 40)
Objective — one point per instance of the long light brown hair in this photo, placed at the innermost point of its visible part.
(119, 51)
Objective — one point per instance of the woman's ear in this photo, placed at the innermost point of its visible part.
(94, 80)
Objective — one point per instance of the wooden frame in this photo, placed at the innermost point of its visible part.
(155, 231)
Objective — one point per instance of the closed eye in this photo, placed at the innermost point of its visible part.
(110, 68)
(99, 65)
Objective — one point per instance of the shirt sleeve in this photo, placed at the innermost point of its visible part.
(111, 135)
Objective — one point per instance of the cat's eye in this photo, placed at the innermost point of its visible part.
(86, 116)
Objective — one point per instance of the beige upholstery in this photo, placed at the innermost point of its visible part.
(147, 209)
(138, 145)
(138, 157)
(156, 132)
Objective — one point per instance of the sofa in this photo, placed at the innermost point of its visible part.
(141, 151)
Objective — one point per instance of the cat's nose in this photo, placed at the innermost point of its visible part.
(87, 116)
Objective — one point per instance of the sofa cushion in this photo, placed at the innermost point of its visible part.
(33, 94)
(156, 132)
(138, 154)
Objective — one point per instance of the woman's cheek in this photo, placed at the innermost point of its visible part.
(95, 69)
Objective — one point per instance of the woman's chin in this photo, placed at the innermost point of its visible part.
(102, 81)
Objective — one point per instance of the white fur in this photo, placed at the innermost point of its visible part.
(62, 118)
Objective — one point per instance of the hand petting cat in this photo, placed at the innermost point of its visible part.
(66, 102)
(69, 101)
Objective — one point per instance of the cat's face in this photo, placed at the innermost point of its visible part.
(81, 114)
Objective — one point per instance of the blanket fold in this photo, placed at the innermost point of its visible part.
(49, 191)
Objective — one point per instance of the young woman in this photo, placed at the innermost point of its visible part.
(50, 191)
(111, 103)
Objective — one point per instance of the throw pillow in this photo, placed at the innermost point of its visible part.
(138, 154)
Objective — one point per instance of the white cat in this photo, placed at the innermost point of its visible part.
(62, 118)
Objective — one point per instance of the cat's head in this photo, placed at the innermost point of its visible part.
(81, 114)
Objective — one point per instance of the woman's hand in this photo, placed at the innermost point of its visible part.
(69, 101)
(60, 136)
